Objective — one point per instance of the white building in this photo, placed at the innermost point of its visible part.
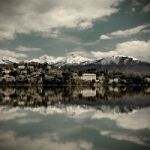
(21, 67)
(31, 67)
(6, 71)
(88, 76)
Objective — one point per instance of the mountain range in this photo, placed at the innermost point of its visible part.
(76, 61)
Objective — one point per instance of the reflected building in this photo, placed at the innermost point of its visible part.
(83, 96)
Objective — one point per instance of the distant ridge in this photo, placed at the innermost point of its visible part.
(75, 59)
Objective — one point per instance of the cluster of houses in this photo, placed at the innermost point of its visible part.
(36, 73)
(111, 78)
(18, 73)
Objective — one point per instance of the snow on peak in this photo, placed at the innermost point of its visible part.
(2, 62)
(75, 59)
(46, 59)
(117, 59)
(8, 60)
(69, 59)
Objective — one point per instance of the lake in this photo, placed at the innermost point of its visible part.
(74, 118)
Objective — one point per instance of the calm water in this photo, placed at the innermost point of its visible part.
(65, 118)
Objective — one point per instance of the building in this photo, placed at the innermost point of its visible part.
(114, 80)
(23, 72)
(113, 89)
(147, 79)
(88, 76)
(6, 72)
(31, 67)
(21, 67)
(101, 78)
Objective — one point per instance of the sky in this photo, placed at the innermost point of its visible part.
(90, 28)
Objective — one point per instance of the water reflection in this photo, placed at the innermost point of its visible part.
(68, 118)
(73, 127)
(126, 99)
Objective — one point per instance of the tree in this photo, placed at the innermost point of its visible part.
(80, 73)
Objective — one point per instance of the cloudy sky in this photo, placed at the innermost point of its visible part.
(91, 28)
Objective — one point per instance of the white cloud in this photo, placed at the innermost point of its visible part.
(27, 49)
(7, 53)
(124, 33)
(40, 16)
(138, 49)
(85, 25)
(99, 54)
(51, 34)
(134, 48)
(104, 37)
(146, 8)
(79, 52)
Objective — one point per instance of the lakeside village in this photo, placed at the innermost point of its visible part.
(45, 74)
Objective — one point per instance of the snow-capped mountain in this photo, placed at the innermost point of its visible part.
(60, 61)
(2, 62)
(46, 59)
(75, 59)
(118, 60)
(8, 60)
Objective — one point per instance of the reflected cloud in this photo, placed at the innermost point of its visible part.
(124, 137)
(7, 113)
(69, 127)
(28, 120)
(136, 120)
(70, 111)
(38, 118)
(44, 142)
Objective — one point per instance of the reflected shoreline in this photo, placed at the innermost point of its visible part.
(126, 99)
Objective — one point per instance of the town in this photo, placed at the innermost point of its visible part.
(44, 74)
